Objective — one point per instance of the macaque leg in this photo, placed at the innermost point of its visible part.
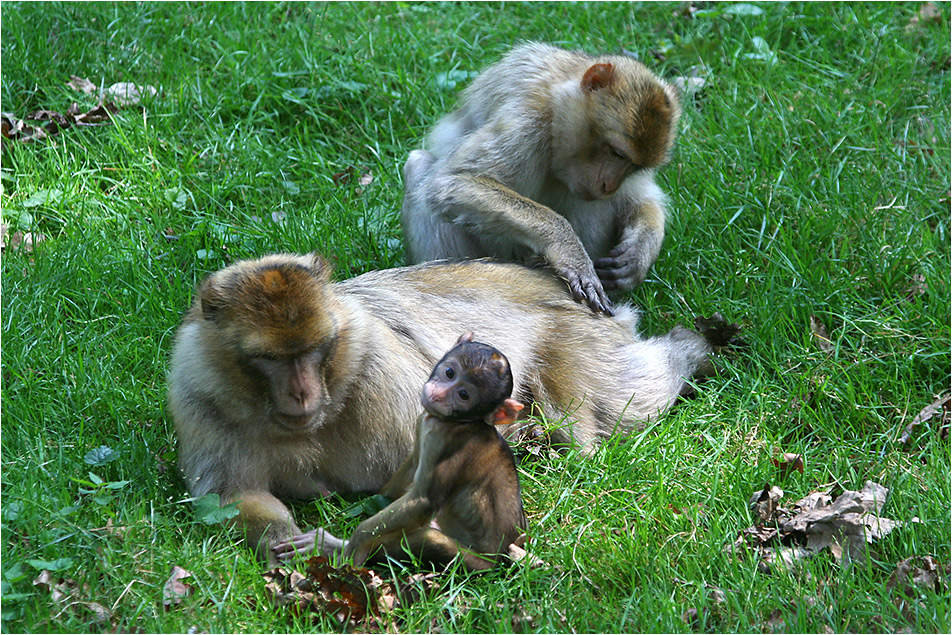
(387, 527)
(435, 547)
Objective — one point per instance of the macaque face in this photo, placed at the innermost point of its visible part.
(294, 386)
(448, 394)
(468, 383)
(601, 173)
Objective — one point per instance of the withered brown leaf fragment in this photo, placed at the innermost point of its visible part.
(175, 590)
(924, 572)
(820, 334)
(98, 116)
(940, 409)
(765, 502)
(789, 462)
(128, 94)
(850, 522)
(81, 84)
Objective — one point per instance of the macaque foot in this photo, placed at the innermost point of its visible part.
(316, 541)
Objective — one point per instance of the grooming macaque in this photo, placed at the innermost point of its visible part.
(550, 154)
(458, 492)
(284, 384)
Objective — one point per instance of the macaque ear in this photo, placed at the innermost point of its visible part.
(598, 76)
(505, 413)
(465, 337)
(211, 299)
(321, 267)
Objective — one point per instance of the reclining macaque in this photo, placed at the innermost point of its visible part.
(284, 384)
(458, 493)
(551, 155)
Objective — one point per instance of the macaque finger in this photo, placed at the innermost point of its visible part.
(316, 540)
(592, 293)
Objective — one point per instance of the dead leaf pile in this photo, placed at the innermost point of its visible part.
(784, 536)
(354, 596)
(69, 596)
(42, 124)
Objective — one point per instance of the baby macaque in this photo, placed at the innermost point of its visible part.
(458, 493)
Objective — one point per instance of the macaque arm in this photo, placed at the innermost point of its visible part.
(486, 206)
(399, 483)
(642, 233)
(386, 529)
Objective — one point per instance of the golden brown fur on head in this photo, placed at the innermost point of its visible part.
(646, 112)
(273, 307)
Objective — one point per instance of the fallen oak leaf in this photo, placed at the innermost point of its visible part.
(718, 331)
(175, 590)
(942, 406)
(128, 94)
(765, 502)
(820, 334)
(81, 84)
(98, 116)
(923, 572)
(789, 462)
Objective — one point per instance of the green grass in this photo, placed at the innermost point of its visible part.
(816, 185)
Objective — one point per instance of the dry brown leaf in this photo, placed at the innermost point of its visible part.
(18, 240)
(718, 331)
(916, 288)
(175, 590)
(764, 503)
(789, 462)
(941, 409)
(922, 572)
(81, 84)
(517, 553)
(820, 334)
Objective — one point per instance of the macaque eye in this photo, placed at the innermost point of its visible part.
(463, 394)
(449, 372)
(618, 155)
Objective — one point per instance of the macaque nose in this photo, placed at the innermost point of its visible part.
(300, 395)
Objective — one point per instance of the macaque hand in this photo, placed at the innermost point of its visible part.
(585, 285)
(626, 266)
(317, 541)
